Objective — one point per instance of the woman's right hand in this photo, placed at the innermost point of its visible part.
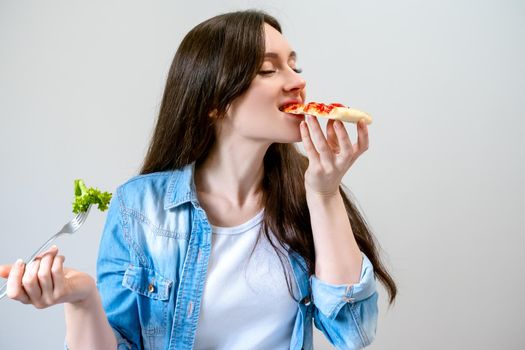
(45, 282)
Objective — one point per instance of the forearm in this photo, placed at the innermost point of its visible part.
(337, 255)
(87, 326)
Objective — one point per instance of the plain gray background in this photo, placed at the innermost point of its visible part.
(441, 185)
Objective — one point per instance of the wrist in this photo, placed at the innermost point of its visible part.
(322, 195)
(88, 297)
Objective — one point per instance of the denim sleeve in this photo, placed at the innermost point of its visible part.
(113, 259)
(347, 313)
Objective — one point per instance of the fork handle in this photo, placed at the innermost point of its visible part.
(42, 248)
(3, 289)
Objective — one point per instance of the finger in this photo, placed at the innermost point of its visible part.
(362, 136)
(309, 147)
(331, 137)
(30, 282)
(14, 283)
(4, 270)
(344, 140)
(44, 272)
(57, 272)
(325, 153)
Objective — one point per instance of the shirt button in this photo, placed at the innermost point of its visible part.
(151, 288)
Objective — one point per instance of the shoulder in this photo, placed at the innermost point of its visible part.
(147, 187)
(146, 180)
(164, 189)
(170, 188)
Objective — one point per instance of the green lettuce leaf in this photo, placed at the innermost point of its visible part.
(84, 197)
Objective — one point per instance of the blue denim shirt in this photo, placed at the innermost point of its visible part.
(152, 268)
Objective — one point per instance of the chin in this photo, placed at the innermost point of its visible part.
(284, 133)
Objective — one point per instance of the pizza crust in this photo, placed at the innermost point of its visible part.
(350, 115)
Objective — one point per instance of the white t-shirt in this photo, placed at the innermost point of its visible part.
(246, 303)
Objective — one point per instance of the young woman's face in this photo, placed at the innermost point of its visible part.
(255, 115)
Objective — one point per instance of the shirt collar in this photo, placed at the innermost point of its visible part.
(181, 187)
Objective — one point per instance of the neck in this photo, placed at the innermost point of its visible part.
(233, 172)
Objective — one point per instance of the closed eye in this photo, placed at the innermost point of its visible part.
(268, 72)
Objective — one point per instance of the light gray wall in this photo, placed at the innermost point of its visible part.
(441, 185)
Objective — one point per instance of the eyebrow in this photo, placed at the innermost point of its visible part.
(293, 55)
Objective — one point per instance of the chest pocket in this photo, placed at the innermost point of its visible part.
(152, 293)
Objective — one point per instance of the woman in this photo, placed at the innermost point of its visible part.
(229, 238)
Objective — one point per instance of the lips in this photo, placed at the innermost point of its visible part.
(288, 103)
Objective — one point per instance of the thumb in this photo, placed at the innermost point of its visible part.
(4, 270)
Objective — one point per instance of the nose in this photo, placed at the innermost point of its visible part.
(294, 82)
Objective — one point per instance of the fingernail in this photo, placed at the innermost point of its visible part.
(19, 263)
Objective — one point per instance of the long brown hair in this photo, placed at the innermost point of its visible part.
(214, 64)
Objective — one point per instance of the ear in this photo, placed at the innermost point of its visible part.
(213, 113)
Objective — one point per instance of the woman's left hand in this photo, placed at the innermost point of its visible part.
(330, 157)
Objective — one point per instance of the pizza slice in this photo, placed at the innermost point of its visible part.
(335, 111)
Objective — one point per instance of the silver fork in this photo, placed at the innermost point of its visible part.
(68, 228)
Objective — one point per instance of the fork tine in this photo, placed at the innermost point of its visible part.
(80, 218)
(81, 221)
(74, 225)
(84, 217)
